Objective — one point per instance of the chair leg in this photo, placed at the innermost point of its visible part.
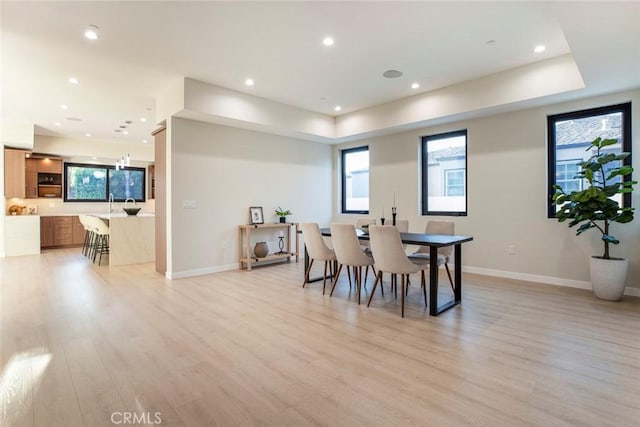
(375, 283)
(366, 274)
(424, 288)
(306, 275)
(402, 295)
(349, 275)
(453, 288)
(335, 280)
(358, 280)
(394, 282)
(324, 276)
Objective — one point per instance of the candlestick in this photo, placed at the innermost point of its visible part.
(394, 198)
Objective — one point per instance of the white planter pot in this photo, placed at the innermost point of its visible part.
(608, 277)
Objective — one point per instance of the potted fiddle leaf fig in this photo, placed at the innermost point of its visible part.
(283, 213)
(595, 207)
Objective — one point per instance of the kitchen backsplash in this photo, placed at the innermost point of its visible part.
(51, 206)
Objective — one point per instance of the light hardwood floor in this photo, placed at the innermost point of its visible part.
(81, 343)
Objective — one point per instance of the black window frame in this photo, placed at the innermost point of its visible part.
(624, 108)
(107, 188)
(425, 172)
(343, 154)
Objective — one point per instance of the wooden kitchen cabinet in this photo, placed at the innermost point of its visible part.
(60, 231)
(31, 185)
(46, 231)
(14, 176)
(77, 231)
(50, 165)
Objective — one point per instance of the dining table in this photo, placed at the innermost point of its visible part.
(434, 242)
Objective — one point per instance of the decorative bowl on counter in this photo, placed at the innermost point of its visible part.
(131, 211)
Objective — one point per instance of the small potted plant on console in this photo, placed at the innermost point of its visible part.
(283, 213)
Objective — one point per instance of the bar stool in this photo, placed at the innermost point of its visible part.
(101, 240)
(88, 235)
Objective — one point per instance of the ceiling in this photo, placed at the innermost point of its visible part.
(144, 46)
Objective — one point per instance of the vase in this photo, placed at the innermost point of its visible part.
(608, 277)
(261, 249)
(283, 219)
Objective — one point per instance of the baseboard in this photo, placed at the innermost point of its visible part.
(548, 280)
(201, 271)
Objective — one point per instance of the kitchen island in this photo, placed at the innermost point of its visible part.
(131, 238)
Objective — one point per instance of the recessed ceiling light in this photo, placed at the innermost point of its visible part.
(125, 132)
(249, 82)
(392, 74)
(92, 32)
(327, 41)
(58, 124)
(415, 86)
(94, 158)
(87, 134)
(128, 121)
(73, 81)
(337, 108)
(143, 119)
(540, 48)
(145, 141)
(490, 42)
(64, 107)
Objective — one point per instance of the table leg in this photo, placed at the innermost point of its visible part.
(434, 308)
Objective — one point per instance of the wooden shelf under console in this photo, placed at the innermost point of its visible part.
(248, 258)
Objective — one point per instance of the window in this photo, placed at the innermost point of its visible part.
(444, 174)
(94, 183)
(566, 171)
(355, 180)
(454, 182)
(570, 135)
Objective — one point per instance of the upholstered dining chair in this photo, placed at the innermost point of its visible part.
(389, 257)
(444, 254)
(317, 250)
(348, 252)
(403, 227)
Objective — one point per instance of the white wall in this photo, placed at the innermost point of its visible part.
(506, 195)
(225, 171)
(84, 150)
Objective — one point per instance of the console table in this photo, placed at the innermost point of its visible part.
(246, 255)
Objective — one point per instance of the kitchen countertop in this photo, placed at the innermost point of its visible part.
(98, 214)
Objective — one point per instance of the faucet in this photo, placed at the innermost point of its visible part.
(127, 200)
(111, 199)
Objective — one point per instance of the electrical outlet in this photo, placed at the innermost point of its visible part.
(511, 249)
(189, 204)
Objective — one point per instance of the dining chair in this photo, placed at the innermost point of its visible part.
(445, 253)
(348, 252)
(317, 250)
(364, 243)
(403, 227)
(389, 257)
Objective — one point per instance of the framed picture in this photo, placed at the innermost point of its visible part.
(255, 214)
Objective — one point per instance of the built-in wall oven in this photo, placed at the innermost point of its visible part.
(49, 184)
